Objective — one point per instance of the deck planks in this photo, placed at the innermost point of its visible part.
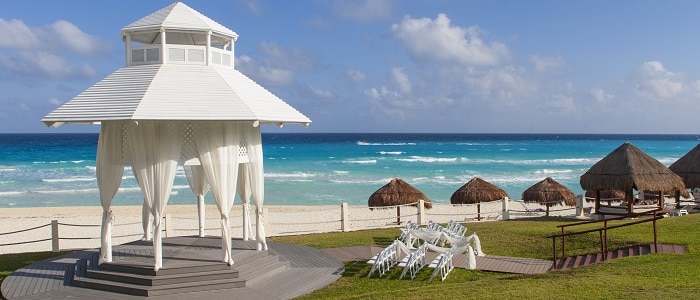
(308, 269)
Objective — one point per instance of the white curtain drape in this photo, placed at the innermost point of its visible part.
(156, 147)
(147, 192)
(244, 194)
(109, 170)
(217, 144)
(256, 178)
(199, 186)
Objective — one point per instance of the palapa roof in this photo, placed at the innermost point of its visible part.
(688, 168)
(549, 192)
(397, 192)
(180, 22)
(176, 92)
(477, 190)
(627, 168)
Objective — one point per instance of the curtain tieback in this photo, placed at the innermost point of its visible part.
(108, 216)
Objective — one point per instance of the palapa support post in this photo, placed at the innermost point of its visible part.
(398, 215)
(478, 211)
(421, 212)
(506, 211)
(678, 199)
(54, 236)
(344, 217)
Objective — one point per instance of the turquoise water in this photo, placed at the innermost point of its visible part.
(326, 169)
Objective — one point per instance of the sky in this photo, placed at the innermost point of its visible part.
(542, 66)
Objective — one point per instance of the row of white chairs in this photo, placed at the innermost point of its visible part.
(414, 261)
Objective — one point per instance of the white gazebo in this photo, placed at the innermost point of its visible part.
(179, 101)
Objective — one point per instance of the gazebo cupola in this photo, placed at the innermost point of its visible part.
(178, 34)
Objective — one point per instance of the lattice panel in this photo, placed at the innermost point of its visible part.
(186, 131)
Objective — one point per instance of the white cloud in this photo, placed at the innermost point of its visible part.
(55, 101)
(400, 79)
(653, 81)
(355, 75)
(601, 96)
(278, 65)
(45, 64)
(543, 64)
(320, 93)
(16, 35)
(363, 10)
(437, 40)
(29, 50)
(61, 36)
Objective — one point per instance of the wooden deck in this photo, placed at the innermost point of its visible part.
(284, 271)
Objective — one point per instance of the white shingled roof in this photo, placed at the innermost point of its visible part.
(176, 92)
(174, 17)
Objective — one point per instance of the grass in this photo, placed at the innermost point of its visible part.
(650, 276)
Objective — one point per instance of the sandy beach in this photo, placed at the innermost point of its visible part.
(79, 227)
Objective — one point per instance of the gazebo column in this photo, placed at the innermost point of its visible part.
(199, 186)
(163, 51)
(208, 48)
(244, 194)
(127, 46)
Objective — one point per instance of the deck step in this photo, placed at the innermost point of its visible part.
(584, 260)
(141, 280)
(141, 290)
(147, 280)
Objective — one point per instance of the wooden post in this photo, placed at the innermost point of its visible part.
(563, 245)
(656, 245)
(398, 215)
(628, 198)
(579, 205)
(605, 239)
(602, 249)
(506, 211)
(168, 226)
(478, 211)
(344, 217)
(678, 199)
(547, 213)
(421, 212)
(554, 252)
(597, 201)
(54, 236)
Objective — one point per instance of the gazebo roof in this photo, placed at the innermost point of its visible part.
(397, 192)
(688, 167)
(477, 190)
(176, 92)
(628, 167)
(180, 18)
(549, 191)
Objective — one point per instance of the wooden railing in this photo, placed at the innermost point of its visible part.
(602, 232)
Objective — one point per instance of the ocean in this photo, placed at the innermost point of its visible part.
(48, 170)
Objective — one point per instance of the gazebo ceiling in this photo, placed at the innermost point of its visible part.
(176, 92)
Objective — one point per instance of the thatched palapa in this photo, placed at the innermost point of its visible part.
(688, 168)
(477, 190)
(549, 192)
(395, 193)
(627, 168)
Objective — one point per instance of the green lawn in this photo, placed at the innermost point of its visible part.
(660, 276)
